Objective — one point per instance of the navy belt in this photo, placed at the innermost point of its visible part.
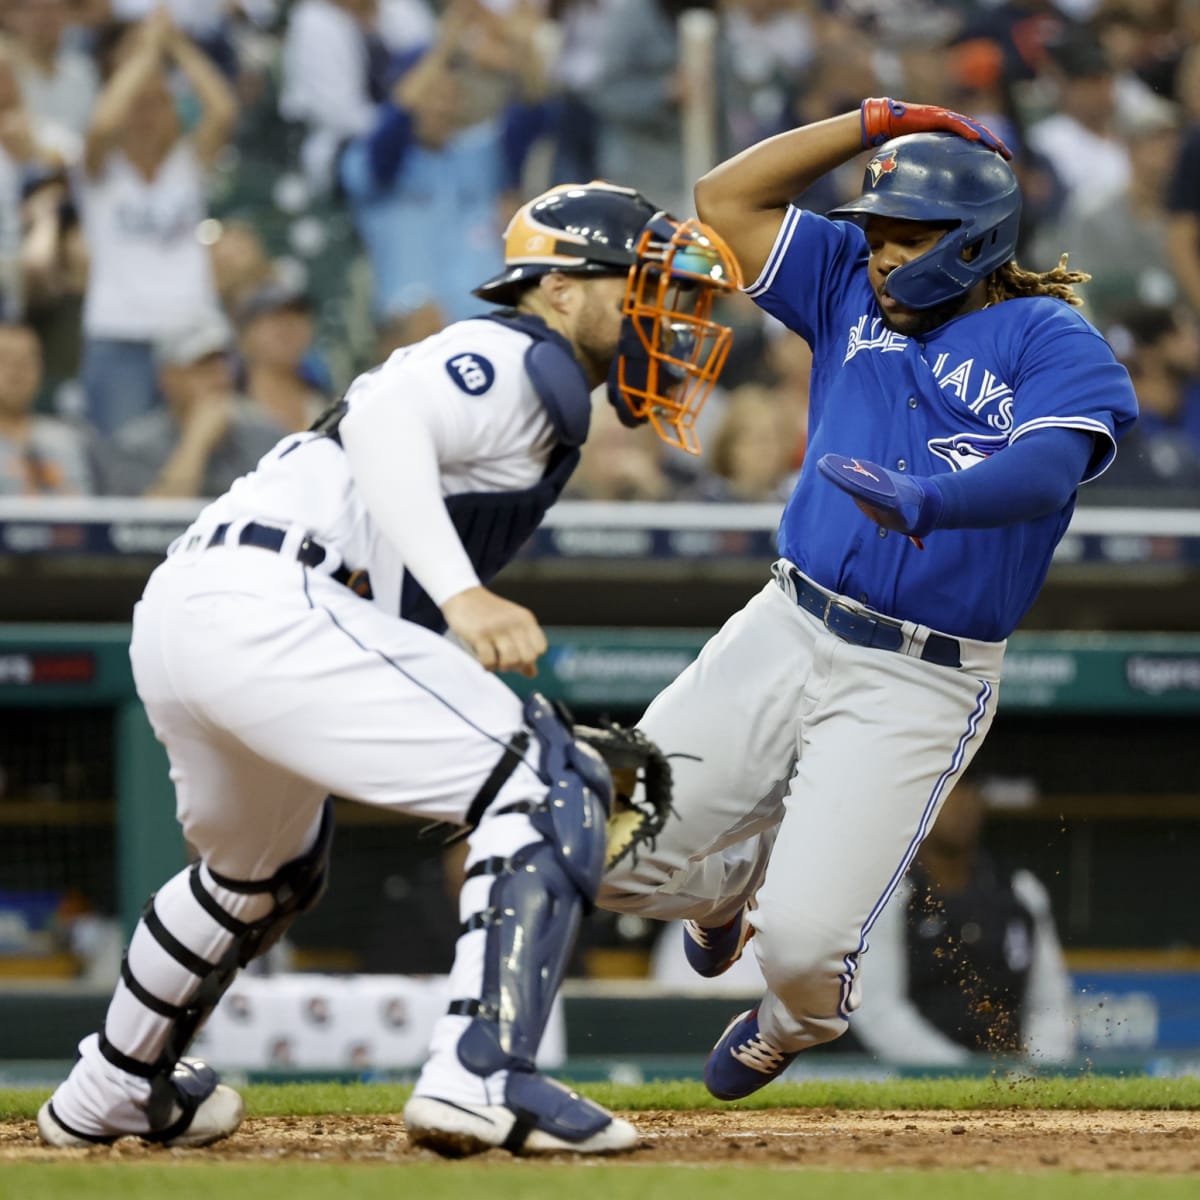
(869, 629)
(310, 553)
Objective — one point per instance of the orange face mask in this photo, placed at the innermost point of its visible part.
(671, 351)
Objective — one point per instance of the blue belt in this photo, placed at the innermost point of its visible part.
(310, 553)
(869, 629)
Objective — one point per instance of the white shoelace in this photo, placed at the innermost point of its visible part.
(759, 1055)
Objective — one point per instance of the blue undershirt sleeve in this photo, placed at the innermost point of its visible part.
(1034, 476)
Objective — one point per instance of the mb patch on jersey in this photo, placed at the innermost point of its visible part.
(472, 373)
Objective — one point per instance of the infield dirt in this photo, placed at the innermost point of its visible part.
(1026, 1140)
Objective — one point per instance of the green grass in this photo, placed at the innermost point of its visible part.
(194, 1178)
(1063, 1092)
(531, 1181)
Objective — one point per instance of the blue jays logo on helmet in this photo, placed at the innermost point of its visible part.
(942, 179)
(881, 165)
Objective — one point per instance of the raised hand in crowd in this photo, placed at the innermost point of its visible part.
(136, 94)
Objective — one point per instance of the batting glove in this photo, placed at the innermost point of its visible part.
(906, 503)
(883, 118)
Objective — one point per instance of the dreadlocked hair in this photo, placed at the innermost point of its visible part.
(1010, 281)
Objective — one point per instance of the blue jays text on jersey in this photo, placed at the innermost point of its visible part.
(928, 405)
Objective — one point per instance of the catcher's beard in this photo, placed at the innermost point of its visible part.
(597, 333)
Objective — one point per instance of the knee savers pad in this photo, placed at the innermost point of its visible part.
(573, 815)
(296, 887)
(532, 921)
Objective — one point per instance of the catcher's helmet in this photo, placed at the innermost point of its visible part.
(582, 229)
(671, 351)
(942, 178)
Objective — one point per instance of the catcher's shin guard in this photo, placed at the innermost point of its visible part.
(536, 900)
(187, 949)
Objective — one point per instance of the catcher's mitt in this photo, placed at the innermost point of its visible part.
(631, 758)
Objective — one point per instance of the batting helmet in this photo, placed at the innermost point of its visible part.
(941, 178)
(581, 229)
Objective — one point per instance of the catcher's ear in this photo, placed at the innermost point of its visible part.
(561, 291)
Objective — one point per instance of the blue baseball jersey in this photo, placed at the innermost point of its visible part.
(941, 402)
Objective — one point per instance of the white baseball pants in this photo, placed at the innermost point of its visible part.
(807, 770)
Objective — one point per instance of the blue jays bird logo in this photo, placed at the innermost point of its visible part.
(881, 165)
(963, 450)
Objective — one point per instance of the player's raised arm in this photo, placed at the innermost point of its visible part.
(744, 198)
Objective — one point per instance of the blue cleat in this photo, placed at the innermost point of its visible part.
(743, 1060)
(712, 951)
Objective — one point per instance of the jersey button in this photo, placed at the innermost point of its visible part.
(912, 402)
(901, 465)
(882, 532)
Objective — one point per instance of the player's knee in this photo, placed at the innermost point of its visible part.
(633, 884)
(805, 967)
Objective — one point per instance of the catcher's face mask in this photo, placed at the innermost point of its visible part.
(670, 352)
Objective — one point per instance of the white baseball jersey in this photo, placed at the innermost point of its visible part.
(467, 391)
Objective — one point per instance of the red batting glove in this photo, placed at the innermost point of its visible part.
(884, 118)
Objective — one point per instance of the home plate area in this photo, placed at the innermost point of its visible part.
(1004, 1140)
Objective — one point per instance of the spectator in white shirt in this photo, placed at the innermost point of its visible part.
(58, 82)
(1080, 140)
(141, 193)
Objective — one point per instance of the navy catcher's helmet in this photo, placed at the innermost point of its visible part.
(942, 178)
(580, 228)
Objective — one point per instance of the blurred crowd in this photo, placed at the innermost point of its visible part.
(213, 213)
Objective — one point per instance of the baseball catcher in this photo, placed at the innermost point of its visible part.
(289, 647)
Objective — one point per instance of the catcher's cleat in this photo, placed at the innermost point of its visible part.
(539, 1117)
(743, 1060)
(201, 1111)
(712, 951)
